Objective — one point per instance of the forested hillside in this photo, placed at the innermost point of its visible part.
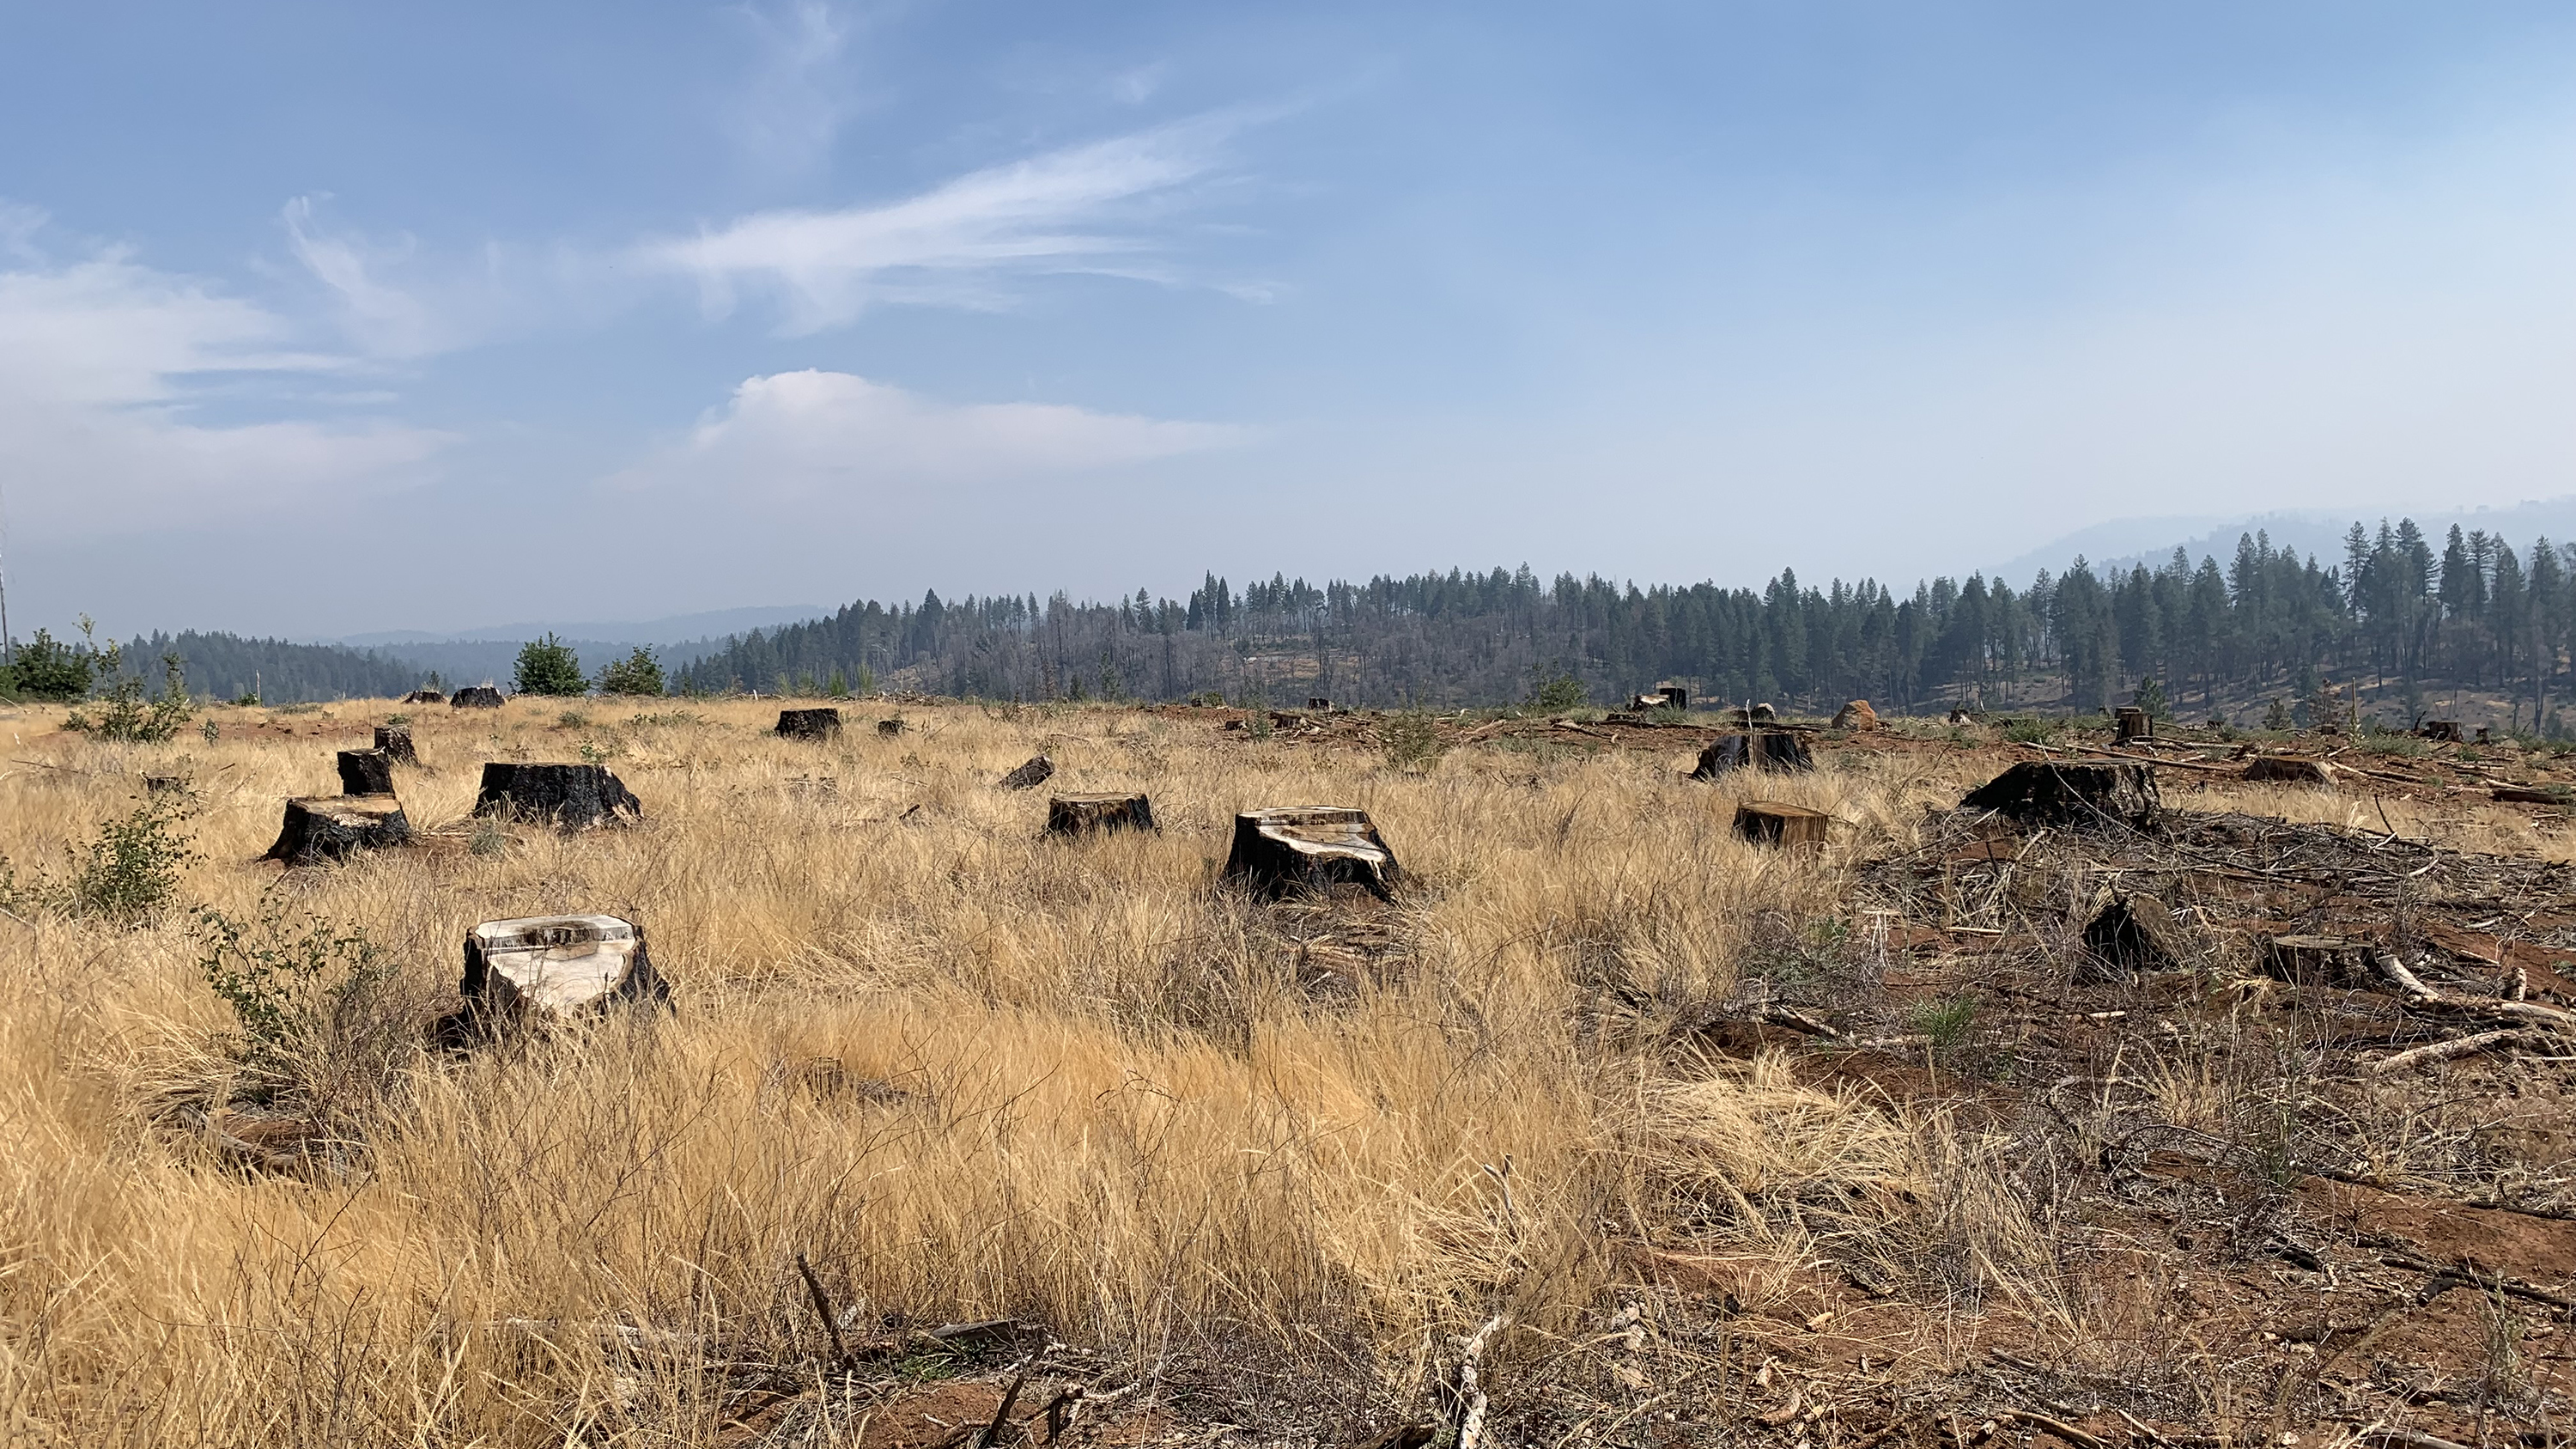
(2393, 613)
(228, 666)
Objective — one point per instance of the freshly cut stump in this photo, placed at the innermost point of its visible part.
(2044, 792)
(335, 827)
(568, 797)
(480, 696)
(1857, 717)
(395, 740)
(2127, 937)
(554, 968)
(2312, 960)
(1082, 814)
(1029, 776)
(424, 696)
(809, 724)
(1766, 750)
(1769, 822)
(366, 772)
(1310, 847)
(2289, 770)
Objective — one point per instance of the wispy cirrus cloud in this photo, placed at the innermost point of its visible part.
(1075, 210)
(800, 94)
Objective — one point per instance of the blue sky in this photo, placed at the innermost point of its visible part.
(318, 319)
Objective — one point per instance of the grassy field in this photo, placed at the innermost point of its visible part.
(966, 1073)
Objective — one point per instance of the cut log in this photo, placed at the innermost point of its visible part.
(366, 772)
(395, 741)
(2289, 770)
(1766, 750)
(2045, 792)
(553, 968)
(1857, 717)
(889, 726)
(1082, 814)
(2132, 724)
(2312, 960)
(1768, 822)
(480, 696)
(2129, 936)
(1310, 847)
(2526, 795)
(568, 797)
(1029, 776)
(334, 827)
(809, 724)
(424, 696)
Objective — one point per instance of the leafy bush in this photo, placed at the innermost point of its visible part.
(548, 666)
(126, 874)
(317, 1023)
(638, 673)
(2031, 730)
(51, 669)
(124, 713)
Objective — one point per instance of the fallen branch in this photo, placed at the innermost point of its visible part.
(2059, 1427)
(1472, 1401)
(2451, 1050)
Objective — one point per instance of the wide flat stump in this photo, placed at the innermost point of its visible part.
(809, 724)
(2045, 792)
(1760, 750)
(1083, 814)
(335, 827)
(556, 967)
(1310, 847)
(480, 696)
(568, 797)
(1770, 822)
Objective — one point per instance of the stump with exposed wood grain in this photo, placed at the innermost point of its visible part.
(1310, 848)
(2046, 792)
(1769, 822)
(556, 968)
(568, 797)
(809, 724)
(1084, 814)
(335, 827)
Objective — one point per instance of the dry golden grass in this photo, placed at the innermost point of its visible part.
(1076, 1083)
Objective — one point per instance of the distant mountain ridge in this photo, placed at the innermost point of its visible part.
(2125, 542)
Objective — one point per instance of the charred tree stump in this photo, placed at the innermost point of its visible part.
(424, 696)
(1765, 750)
(568, 797)
(1795, 827)
(480, 696)
(1319, 704)
(2129, 936)
(395, 741)
(2443, 732)
(809, 724)
(889, 726)
(2045, 792)
(555, 968)
(1675, 696)
(2312, 960)
(1310, 848)
(1029, 776)
(2289, 770)
(2132, 724)
(366, 772)
(335, 827)
(1082, 814)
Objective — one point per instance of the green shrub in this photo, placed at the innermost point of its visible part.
(1412, 741)
(125, 713)
(125, 875)
(638, 673)
(54, 670)
(548, 666)
(1557, 692)
(320, 1024)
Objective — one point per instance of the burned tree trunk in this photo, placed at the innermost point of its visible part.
(1766, 750)
(809, 724)
(1082, 814)
(1768, 822)
(2129, 936)
(554, 968)
(322, 827)
(395, 741)
(2045, 792)
(366, 772)
(568, 797)
(1310, 848)
(480, 696)
(1029, 776)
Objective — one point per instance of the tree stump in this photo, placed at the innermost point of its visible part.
(2312, 960)
(1081, 814)
(366, 772)
(2444, 732)
(2132, 724)
(1319, 704)
(1310, 848)
(2044, 792)
(809, 724)
(889, 726)
(1769, 822)
(1857, 717)
(1646, 701)
(1029, 776)
(568, 797)
(395, 740)
(1675, 696)
(424, 696)
(554, 968)
(2289, 770)
(2130, 935)
(1766, 750)
(1958, 719)
(480, 696)
(334, 827)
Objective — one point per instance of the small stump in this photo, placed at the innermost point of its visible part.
(424, 696)
(1029, 776)
(2132, 724)
(2127, 937)
(2444, 732)
(1082, 814)
(1768, 822)
(2312, 960)
(555, 968)
(568, 797)
(1319, 704)
(889, 726)
(1767, 750)
(395, 741)
(480, 696)
(1310, 847)
(2045, 792)
(1857, 717)
(809, 724)
(321, 828)
(366, 772)
(1675, 696)
(2289, 770)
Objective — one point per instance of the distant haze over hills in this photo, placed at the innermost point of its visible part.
(2318, 531)
(676, 629)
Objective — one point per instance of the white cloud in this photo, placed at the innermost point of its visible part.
(1054, 213)
(853, 446)
(103, 366)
